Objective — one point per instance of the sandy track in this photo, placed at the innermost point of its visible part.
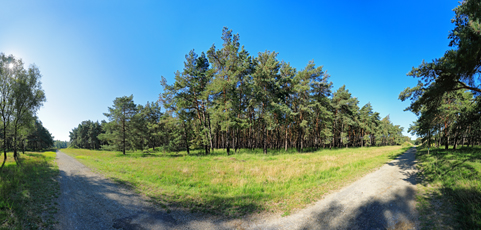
(384, 199)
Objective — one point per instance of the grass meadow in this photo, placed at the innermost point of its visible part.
(28, 191)
(240, 184)
(454, 178)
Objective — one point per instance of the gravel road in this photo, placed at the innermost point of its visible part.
(384, 199)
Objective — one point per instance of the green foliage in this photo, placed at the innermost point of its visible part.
(39, 138)
(86, 135)
(147, 128)
(459, 68)
(151, 115)
(60, 144)
(21, 95)
(446, 98)
(120, 131)
(418, 141)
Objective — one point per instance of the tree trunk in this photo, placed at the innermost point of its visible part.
(123, 136)
(264, 139)
(15, 144)
(186, 139)
(227, 142)
(362, 138)
(234, 140)
(4, 144)
(429, 140)
(455, 140)
(446, 143)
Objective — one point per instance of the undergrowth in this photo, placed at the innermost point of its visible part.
(28, 192)
(240, 184)
(453, 178)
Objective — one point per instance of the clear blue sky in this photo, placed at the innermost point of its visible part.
(90, 52)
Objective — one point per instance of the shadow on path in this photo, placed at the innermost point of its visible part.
(374, 214)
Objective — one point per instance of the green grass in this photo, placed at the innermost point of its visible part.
(407, 144)
(239, 184)
(452, 178)
(27, 192)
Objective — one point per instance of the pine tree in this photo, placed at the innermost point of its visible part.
(119, 127)
(265, 89)
(228, 68)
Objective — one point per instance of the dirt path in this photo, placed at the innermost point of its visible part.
(384, 199)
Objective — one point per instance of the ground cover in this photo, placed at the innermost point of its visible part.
(28, 192)
(450, 195)
(239, 184)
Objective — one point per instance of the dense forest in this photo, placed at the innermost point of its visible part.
(447, 97)
(229, 99)
(21, 95)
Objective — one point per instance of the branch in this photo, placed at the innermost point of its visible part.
(464, 86)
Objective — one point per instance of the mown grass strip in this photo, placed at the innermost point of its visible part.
(450, 178)
(28, 192)
(239, 184)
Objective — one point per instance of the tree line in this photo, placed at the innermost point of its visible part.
(229, 99)
(130, 127)
(447, 97)
(60, 144)
(21, 95)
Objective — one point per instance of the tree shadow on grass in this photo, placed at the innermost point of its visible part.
(468, 205)
(457, 181)
(232, 207)
(443, 164)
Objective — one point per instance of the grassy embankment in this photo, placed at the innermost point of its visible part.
(239, 184)
(27, 192)
(451, 185)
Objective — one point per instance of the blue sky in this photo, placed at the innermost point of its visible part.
(90, 52)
